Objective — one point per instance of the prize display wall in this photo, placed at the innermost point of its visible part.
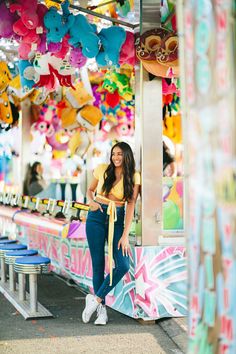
(72, 95)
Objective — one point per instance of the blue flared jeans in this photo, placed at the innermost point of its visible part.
(97, 234)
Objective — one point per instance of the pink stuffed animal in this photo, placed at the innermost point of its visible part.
(127, 52)
(27, 10)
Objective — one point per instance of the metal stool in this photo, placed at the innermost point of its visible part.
(31, 265)
(6, 248)
(10, 258)
(3, 238)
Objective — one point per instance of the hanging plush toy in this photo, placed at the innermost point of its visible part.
(51, 70)
(112, 39)
(6, 21)
(83, 34)
(127, 52)
(58, 25)
(79, 143)
(158, 51)
(5, 107)
(79, 96)
(77, 59)
(89, 116)
(28, 75)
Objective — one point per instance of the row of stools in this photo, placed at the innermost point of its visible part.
(26, 263)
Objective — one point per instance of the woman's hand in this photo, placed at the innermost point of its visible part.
(124, 244)
(95, 206)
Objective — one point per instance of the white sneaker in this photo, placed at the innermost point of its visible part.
(91, 305)
(102, 317)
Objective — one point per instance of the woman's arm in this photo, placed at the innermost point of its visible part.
(90, 194)
(124, 240)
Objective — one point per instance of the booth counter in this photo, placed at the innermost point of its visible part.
(155, 286)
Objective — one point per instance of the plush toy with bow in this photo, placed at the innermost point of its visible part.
(83, 34)
(58, 25)
(112, 39)
(5, 107)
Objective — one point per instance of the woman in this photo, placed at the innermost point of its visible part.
(36, 181)
(115, 184)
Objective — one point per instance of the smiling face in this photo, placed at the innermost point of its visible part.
(117, 157)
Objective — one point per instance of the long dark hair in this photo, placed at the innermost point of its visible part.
(128, 171)
(34, 173)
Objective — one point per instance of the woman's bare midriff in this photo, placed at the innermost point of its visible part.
(110, 197)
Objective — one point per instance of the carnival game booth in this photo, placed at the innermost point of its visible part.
(69, 111)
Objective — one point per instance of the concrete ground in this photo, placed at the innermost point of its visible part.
(67, 334)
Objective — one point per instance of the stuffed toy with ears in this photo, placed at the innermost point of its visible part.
(112, 39)
(58, 25)
(83, 34)
(79, 143)
(6, 21)
(5, 107)
(79, 97)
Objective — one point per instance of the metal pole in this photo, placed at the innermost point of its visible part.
(12, 277)
(3, 271)
(21, 280)
(95, 14)
(33, 292)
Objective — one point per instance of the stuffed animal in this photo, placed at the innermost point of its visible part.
(77, 59)
(28, 75)
(27, 10)
(112, 39)
(5, 107)
(127, 52)
(79, 143)
(89, 116)
(83, 34)
(51, 70)
(6, 21)
(58, 25)
(79, 97)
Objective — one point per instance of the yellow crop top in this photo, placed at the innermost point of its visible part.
(118, 189)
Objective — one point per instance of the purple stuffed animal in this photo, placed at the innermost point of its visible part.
(6, 21)
(77, 59)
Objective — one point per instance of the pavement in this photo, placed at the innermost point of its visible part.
(67, 334)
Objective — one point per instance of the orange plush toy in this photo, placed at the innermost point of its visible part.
(5, 107)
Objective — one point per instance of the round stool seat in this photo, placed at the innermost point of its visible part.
(6, 242)
(10, 257)
(31, 265)
(12, 247)
(2, 238)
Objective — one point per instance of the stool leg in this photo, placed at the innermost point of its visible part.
(33, 292)
(3, 271)
(12, 277)
(21, 280)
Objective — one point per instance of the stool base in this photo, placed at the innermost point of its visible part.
(23, 306)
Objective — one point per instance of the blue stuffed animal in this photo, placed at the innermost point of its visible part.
(58, 25)
(83, 34)
(112, 39)
(28, 76)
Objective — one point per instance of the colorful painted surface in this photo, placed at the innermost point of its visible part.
(210, 97)
(172, 203)
(155, 286)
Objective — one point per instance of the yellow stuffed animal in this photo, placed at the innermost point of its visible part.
(5, 107)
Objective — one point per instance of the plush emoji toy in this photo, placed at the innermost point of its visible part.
(58, 25)
(5, 107)
(79, 143)
(158, 51)
(83, 34)
(112, 39)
